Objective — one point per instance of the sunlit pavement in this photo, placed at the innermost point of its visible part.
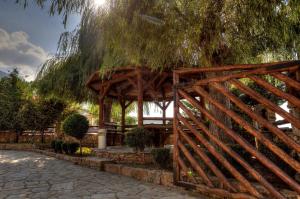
(31, 175)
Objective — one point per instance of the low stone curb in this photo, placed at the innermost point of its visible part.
(159, 177)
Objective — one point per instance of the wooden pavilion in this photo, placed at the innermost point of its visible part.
(134, 84)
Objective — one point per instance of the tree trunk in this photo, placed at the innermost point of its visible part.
(295, 111)
(221, 116)
(42, 137)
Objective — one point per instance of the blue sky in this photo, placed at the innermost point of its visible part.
(28, 36)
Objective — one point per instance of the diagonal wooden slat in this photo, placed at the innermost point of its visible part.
(195, 165)
(191, 125)
(287, 80)
(228, 150)
(215, 192)
(285, 138)
(290, 98)
(261, 137)
(205, 158)
(268, 104)
(263, 159)
(185, 169)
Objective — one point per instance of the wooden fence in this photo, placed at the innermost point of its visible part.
(227, 141)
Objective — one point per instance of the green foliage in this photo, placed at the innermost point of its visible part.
(76, 125)
(53, 144)
(162, 157)
(73, 147)
(27, 115)
(139, 138)
(11, 98)
(58, 146)
(70, 148)
(48, 112)
(163, 34)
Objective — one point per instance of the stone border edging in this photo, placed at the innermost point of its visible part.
(159, 177)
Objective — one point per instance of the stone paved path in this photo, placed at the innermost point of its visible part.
(31, 175)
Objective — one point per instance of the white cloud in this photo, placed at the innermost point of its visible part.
(16, 51)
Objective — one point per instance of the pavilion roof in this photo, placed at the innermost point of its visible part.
(122, 83)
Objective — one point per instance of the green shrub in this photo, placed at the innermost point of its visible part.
(162, 157)
(65, 147)
(139, 138)
(72, 147)
(53, 144)
(58, 146)
(76, 125)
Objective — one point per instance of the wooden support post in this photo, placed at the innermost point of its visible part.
(123, 106)
(176, 170)
(140, 97)
(164, 112)
(101, 112)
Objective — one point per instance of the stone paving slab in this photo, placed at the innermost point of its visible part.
(31, 175)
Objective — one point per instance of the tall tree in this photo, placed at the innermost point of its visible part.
(171, 33)
(10, 102)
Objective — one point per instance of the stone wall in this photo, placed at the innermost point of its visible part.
(10, 137)
(90, 140)
(125, 157)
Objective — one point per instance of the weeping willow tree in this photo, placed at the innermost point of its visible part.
(170, 33)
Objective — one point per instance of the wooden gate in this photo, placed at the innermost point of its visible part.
(227, 140)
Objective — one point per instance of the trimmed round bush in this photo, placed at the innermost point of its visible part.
(139, 138)
(76, 125)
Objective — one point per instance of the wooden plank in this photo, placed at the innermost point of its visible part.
(215, 153)
(176, 169)
(287, 80)
(242, 74)
(215, 192)
(227, 149)
(290, 98)
(195, 165)
(140, 97)
(188, 70)
(151, 82)
(261, 137)
(206, 159)
(285, 138)
(268, 104)
(128, 104)
(262, 158)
